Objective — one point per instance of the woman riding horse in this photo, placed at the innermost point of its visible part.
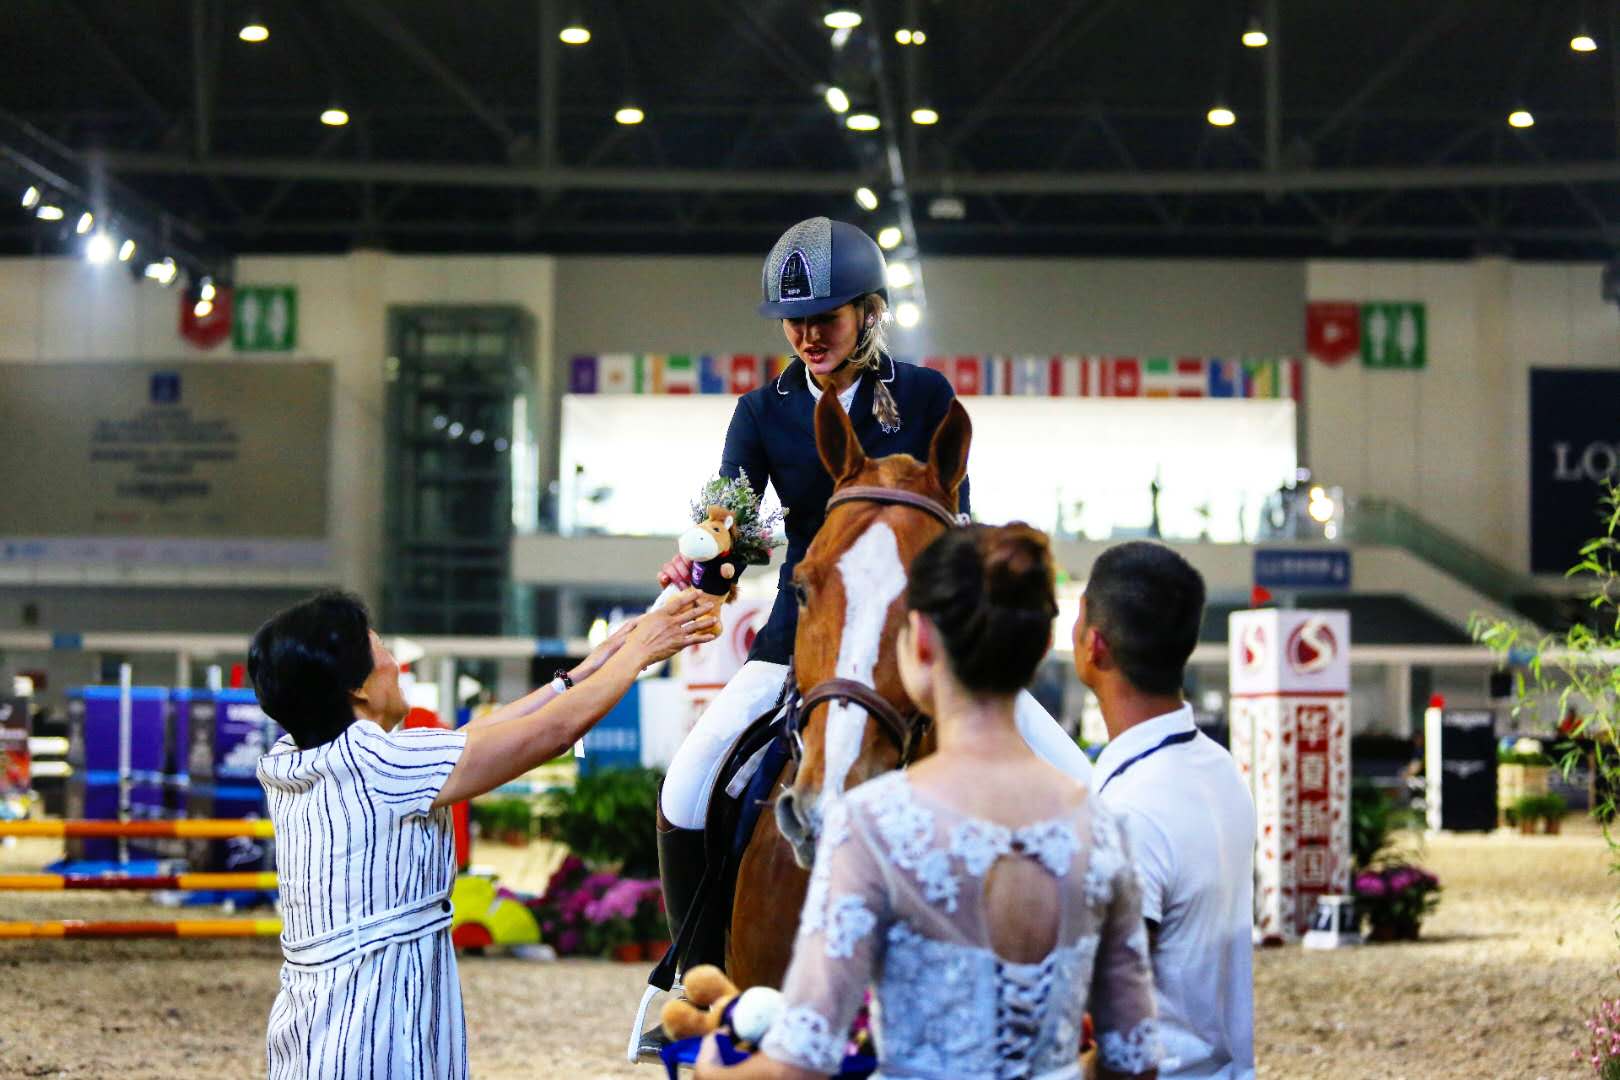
(826, 281)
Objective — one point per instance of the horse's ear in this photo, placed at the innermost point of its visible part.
(840, 450)
(948, 453)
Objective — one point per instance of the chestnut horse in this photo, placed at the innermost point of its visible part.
(851, 586)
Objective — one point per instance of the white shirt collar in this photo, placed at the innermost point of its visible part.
(846, 398)
(1139, 739)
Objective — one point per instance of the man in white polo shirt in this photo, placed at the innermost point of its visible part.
(1187, 813)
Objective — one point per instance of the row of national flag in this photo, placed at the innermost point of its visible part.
(1023, 376)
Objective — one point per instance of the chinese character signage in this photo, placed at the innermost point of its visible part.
(1290, 677)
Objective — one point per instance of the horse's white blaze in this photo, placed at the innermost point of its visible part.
(873, 577)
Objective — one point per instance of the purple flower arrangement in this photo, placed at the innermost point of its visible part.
(1395, 898)
(594, 914)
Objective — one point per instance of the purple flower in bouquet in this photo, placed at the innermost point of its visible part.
(1370, 884)
(568, 942)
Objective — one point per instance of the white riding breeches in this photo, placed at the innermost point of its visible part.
(755, 688)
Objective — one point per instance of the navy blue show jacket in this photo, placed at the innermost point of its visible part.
(773, 438)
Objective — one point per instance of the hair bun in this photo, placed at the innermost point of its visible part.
(1018, 570)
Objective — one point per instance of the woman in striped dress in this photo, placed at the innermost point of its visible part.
(364, 845)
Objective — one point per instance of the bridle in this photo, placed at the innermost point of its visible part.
(905, 731)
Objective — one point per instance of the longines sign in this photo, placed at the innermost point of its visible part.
(1574, 452)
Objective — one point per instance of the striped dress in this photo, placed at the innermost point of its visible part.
(369, 987)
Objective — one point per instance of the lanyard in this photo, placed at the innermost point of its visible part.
(1168, 740)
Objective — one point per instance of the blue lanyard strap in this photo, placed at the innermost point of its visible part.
(1168, 740)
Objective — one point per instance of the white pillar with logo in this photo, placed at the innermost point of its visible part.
(1290, 713)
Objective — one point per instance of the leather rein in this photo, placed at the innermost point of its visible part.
(904, 731)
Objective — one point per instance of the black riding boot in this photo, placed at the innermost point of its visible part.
(681, 863)
(680, 869)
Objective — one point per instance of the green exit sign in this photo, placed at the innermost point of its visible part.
(266, 318)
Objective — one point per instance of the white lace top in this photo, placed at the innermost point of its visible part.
(896, 902)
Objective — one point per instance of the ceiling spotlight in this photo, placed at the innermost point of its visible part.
(162, 272)
(207, 291)
(888, 237)
(1221, 116)
(456, 428)
(254, 31)
(839, 17)
(918, 37)
(862, 122)
(1254, 35)
(574, 34)
(907, 314)
(30, 198)
(867, 198)
(924, 115)
(99, 248)
(126, 251)
(1582, 41)
(837, 100)
(629, 115)
(48, 212)
(947, 208)
(903, 36)
(898, 275)
(335, 117)
(203, 309)
(86, 220)
(1521, 118)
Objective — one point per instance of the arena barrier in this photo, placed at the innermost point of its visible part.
(264, 882)
(185, 928)
(189, 828)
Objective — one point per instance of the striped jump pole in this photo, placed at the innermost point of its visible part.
(194, 828)
(258, 882)
(186, 928)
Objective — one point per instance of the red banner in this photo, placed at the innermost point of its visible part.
(206, 331)
(1332, 331)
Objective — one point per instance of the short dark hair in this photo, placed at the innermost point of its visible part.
(306, 659)
(1147, 602)
(990, 592)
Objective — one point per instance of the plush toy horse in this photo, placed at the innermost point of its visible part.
(711, 544)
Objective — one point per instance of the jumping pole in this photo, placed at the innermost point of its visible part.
(184, 828)
(187, 928)
(255, 882)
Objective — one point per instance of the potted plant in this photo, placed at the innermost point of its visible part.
(612, 918)
(606, 819)
(1394, 900)
(1547, 809)
(651, 924)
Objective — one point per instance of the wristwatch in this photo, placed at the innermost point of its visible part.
(561, 681)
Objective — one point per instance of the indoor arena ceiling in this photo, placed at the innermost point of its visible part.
(1378, 127)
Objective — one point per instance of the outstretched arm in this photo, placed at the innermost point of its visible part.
(500, 752)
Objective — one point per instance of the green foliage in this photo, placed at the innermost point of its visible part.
(1520, 757)
(499, 818)
(1573, 673)
(1375, 819)
(756, 527)
(1551, 807)
(607, 819)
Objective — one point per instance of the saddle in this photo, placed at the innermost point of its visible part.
(747, 778)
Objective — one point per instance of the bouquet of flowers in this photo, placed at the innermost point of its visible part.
(756, 526)
(1395, 898)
